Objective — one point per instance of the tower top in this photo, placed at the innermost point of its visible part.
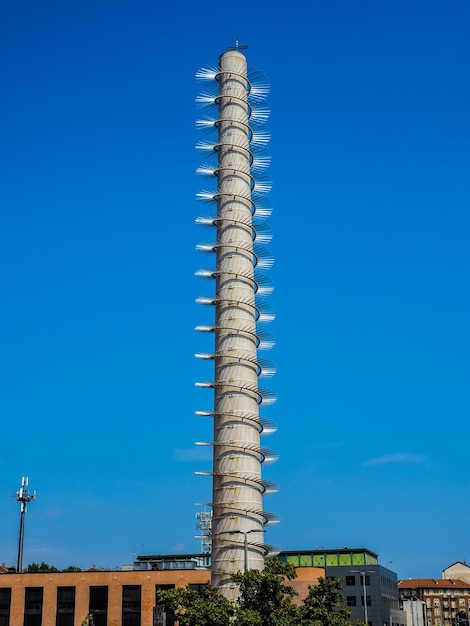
(236, 46)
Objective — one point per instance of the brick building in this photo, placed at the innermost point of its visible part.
(435, 601)
(114, 598)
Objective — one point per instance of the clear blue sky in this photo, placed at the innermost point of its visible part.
(371, 155)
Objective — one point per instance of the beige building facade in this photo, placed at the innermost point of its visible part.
(459, 570)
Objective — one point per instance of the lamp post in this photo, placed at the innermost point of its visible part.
(363, 574)
(245, 534)
(245, 549)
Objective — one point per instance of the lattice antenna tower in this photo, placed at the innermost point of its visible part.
(23, 496)
(235, 98)
(204, 524)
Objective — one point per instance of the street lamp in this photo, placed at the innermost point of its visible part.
(363, 574)
(245, 534)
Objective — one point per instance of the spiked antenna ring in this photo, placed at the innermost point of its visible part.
(236, 98)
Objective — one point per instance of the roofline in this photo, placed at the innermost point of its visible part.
(433, 583)
(198, 555)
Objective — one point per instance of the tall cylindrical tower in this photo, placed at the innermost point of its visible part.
(238, 516)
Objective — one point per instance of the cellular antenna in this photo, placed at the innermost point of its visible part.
(23, 497)
(204, 524)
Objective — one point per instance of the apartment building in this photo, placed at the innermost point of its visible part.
(435, 601)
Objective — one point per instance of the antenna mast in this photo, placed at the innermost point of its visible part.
(23, 497)
(204, 524)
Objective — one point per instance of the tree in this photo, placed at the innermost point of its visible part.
(207, 607)
(461, 619)
(325, 606)
(265, 599)
(34, 568)
(72, 568)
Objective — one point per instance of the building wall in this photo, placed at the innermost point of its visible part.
(457, 570)
(415, 612)
(381, 594)
(444, 599)
(115, 581)
(82, 581)
(381, 583)
(306, 577)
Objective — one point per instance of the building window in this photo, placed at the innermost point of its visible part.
(65, 606)
(367, 577)
(5, 602)
(131, 602)
(359, 558)
(332, 560)
(162, 617)
(351, 601)
(197, 586)
(350, 581)
(368, 600)
(99, 605)
(33, 606)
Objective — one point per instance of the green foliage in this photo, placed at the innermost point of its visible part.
(248, 617)
(192, 608)
(265, 599)
(72, 568)
(34, 568)
(461, 619)
(325, 606)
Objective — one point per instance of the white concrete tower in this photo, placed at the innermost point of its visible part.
(238, 517)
